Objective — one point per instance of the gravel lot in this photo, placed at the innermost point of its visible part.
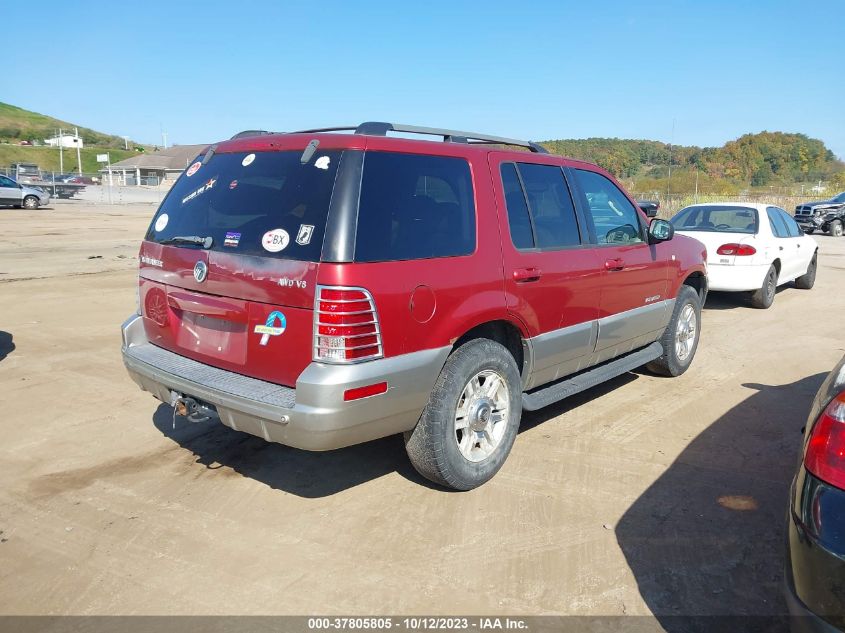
(645, 495)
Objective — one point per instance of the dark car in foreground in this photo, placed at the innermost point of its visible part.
(815, 556)
(827, 216)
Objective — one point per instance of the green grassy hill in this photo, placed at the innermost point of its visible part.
(17, 124)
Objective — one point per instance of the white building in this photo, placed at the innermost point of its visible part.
(65, 140)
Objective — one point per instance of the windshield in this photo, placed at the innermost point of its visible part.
(262, 203)
(840, 197)
(716, 219)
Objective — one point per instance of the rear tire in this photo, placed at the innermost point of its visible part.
(836, 228)
(808, 279)
(468, 427)
(765, 296)
(680, 339)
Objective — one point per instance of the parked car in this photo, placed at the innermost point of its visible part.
(81, 179)
(13, 194)
(815, 550)
(750, 248)
(320, 290)
(827, 216)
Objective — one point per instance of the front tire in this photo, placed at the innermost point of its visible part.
(765, 296)
(836, 228)
(680, 339)
(30, 202)
(468, 427)
(808, 279)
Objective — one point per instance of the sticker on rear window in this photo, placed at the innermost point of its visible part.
(232, 239)
(248, 160)
(322, 162)
(161, 223)
(193, 169)
(303, 238)
(233, 184)
(275, 240)
(202, 189)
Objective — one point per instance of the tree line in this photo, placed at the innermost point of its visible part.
(756, 160)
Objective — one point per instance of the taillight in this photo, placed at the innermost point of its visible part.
(736, 249)
(825, 455)
(346, 327)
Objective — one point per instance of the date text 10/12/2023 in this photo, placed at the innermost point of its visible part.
(419, 623)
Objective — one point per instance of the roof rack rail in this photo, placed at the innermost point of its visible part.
(247, 133)
(380, 128)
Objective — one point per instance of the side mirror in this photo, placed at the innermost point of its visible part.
(660, 231)
(649, 207)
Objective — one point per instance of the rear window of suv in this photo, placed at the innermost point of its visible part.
(414, 207)
(262, 203)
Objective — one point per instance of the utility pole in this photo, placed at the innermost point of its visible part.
(125, 142)
(111, 183)
(696, 183)
(78, 153)
(669, 178)
(61, 154)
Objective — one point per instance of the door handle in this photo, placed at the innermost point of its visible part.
(780, 248)
(614, 264)
(525, 275)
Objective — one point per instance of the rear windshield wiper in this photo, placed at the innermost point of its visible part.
(205, 242)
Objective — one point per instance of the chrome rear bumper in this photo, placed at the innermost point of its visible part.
(313, 416)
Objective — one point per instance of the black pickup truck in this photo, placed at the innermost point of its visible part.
(827, 216)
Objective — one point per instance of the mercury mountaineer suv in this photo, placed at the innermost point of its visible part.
(324, 288)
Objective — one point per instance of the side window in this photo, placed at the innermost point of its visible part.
(550, 205)
(791, 227)
(5, 182)
(616, 220)
(522, 235)
(777, 223)
(414, 207)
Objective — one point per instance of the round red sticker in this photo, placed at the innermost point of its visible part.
(233, 184)
(193, 169)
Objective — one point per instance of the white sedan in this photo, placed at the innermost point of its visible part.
(750, 247)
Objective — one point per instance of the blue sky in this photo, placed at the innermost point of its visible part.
(539, 70)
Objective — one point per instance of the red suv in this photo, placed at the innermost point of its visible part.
(321, 289)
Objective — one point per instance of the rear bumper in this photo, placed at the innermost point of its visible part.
(313, 416)
(802, 620)
(732, 278)
(815, 556)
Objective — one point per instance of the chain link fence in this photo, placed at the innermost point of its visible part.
(93, 188)
(674, 202)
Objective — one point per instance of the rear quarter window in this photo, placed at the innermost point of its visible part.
(414, 207)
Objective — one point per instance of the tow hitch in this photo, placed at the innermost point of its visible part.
(191, 409)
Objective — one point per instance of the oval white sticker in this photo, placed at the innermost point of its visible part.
(193, 169)
(248, 160)
(275, 240)
(161, 223)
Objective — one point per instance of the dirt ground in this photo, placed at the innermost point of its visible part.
(645, 495)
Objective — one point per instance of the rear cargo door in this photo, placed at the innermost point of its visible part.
(229, 264)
